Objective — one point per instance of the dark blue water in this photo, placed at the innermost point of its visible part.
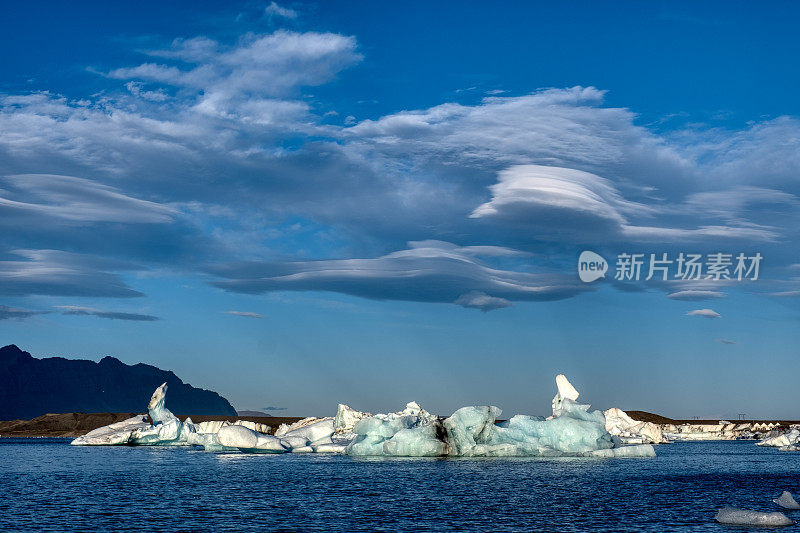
(48, 485)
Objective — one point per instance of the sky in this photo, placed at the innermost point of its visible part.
(302, 204)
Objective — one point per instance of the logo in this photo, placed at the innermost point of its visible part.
(591, 266)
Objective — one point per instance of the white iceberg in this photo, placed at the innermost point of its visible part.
(247, 440)
(565, 392)
(346, 419)
(787, 501)
(310, 429)
(115, 434)
(630, 431)
(166, 429)
(744, 517)
(785, 440)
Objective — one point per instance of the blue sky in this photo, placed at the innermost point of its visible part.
(304, 204)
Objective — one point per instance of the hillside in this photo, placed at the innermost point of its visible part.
(30, 387)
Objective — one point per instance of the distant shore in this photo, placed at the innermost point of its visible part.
(66, 425)
(77, 424)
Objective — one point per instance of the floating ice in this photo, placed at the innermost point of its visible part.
(166, 429)
(115, 434)
(744, 517)
(631, 431)
(787, 501)
(158, 412)
(785, 440)
(473, 432)
(403, 429)
(248, 440)
(572, 430)
(346, 419)
(310, 429)
(565, 391)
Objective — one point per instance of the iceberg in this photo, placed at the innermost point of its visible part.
(247, 440)
(309, 429)
(473, 431)
(166, 429)
(631, 431)
(787, 501)
(565, 392)
(115, 434)
(785, 440)
(744, 517)
(346, 419)
(412, 432)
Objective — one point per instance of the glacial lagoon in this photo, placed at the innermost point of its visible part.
(46, 484)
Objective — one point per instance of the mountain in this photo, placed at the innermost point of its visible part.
(30, 387)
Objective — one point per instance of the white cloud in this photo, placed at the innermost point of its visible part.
(553, 193)
(248, 81)
(692, 295)
(569, 204)
(482, 301)
(76, 200)
(707, 313)
(248, 314)
(275, 10)
(135, 88)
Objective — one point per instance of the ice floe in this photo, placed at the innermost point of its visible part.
(787, 501)
(744, 517)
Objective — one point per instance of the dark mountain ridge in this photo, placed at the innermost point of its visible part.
(30, 387)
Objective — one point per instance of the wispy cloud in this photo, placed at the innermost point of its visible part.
(9, 313)
(726, 341)
(275, 10)
(68, 199)
(112, 315)
(54, 272)
(786, 294)
(248, 314)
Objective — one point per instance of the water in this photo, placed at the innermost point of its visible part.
(47, 485)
